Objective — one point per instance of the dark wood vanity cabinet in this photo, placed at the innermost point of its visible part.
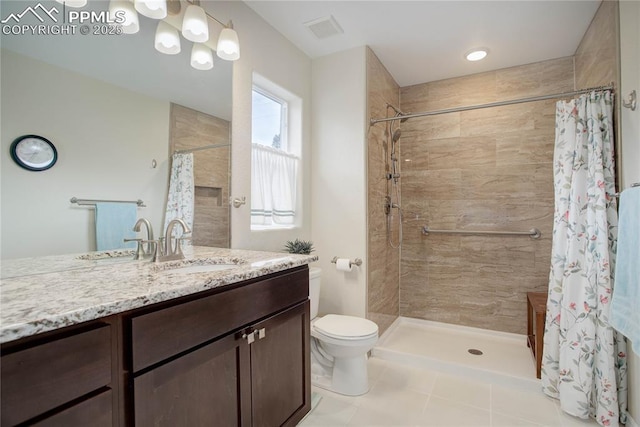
(231, 382)
(233, 356)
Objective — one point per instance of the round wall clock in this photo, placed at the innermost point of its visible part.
(34, 153)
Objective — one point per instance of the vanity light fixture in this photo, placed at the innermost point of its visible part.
(194, 27)
(155, 9)
(167, 39)
(73, 3)
(131, 25)
(476, 54)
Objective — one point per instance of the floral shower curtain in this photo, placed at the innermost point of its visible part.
(584, 360)
(180, 197)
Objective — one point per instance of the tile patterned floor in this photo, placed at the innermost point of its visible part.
(400, 395)
(421, 374)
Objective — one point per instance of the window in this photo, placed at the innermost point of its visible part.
(268, 120)
(274, 163)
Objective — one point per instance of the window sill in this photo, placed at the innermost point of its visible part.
(272, 227)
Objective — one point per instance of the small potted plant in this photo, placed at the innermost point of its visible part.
(297, 246)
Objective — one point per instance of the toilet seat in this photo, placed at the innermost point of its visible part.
(345, 327)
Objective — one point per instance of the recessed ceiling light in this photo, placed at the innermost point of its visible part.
(476, 54)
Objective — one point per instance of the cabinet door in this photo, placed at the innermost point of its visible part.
(208, 386)
(280, 369)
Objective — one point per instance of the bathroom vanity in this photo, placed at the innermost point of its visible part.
(180, 346)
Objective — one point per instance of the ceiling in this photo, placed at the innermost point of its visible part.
(423, 41)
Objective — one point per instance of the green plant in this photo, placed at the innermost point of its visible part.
(299, 247)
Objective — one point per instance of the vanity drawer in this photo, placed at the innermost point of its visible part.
(96, 411)
(46, 375)
(166, 332)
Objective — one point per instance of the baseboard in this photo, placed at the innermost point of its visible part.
(630, 421)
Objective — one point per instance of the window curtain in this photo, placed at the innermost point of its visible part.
(584, 359)
(273, 186)
(180, 199)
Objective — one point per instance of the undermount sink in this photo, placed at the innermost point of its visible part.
(205, 265)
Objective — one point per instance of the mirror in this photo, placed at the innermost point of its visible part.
(107, 102)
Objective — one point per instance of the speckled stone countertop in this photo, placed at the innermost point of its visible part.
(47, 293)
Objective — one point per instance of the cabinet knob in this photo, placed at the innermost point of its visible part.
(261, 333)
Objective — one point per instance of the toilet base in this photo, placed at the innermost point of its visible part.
(348, 376)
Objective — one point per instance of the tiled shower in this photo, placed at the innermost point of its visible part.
(488, 169)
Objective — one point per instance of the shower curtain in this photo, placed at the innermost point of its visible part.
(180, 196)
(584, 359)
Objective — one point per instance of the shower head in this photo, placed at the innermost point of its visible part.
(396, 135)
(398, 113)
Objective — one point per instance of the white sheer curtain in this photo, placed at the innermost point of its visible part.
(273, 186)
(584, 360)
(180, 196)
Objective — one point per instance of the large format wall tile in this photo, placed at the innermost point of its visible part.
(193, 129)
(485, 169)
(383, 264)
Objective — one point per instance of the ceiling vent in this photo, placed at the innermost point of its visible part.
(324, 27)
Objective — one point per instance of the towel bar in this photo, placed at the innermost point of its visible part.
(88, 202)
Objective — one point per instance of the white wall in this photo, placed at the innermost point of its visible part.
(339, 182)
(630, 156)
(106, 138)
(266, 52)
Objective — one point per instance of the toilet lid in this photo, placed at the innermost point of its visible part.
(338, 326)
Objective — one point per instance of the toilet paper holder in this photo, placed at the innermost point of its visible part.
(356, 261)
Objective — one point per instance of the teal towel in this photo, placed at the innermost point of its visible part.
(625, 304)
(114, 223)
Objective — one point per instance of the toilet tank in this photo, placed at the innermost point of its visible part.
(314, 289)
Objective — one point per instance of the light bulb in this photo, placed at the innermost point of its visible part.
(228, 45)
(167, 39)
(201, 57)
(194, 24)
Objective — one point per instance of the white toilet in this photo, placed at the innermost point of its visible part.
(339, 346)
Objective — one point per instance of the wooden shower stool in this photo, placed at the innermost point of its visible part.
(536, 304)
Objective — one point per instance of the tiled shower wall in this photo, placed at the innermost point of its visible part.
(486, 169)
(383, 268)
(211, 169)
(483, 170)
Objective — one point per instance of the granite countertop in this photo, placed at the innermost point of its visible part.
(47, 293)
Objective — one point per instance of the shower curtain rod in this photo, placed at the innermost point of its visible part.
(205, 147)
(491, 104)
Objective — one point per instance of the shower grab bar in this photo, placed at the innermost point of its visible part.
(534, 233)
(89, 202)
